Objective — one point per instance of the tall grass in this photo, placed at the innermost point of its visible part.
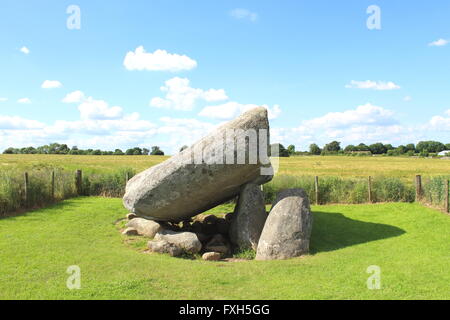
(39, 192)
(434, 190)
(344, 190)
(111, 183)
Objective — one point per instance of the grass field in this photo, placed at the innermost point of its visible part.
(343, 166)
(410, 244)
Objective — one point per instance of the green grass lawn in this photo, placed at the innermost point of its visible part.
(410, 243)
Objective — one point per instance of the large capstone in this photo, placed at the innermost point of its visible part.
(206, 174)
(287, 230)
(248, 218)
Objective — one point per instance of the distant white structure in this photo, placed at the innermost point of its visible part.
(443, 153)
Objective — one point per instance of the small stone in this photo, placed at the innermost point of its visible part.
(188, 241)
(162, 246)
(218, 244)
(131, 216)
(130, 232)
(210, 218)
(145, 227)
(211, 256)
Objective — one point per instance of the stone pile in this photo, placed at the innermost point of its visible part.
(166, 202)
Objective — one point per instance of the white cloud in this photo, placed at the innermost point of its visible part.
(93, 109)
(407, 99)
(160, 60)
(24, 100)
(98, 110)
(51, 84)
(13, 123)
(3, 99)
(440, 123)
(181, 96)
(374, 85)
(367, 114)
(74, 97)
(439, 43)
(240, 14)
(230, 110)
(25, 50)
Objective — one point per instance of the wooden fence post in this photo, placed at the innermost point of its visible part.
(369, 186)
(446, 196)
(26, 184)
(418, 187)
(53, 186)
(78, 182)
(316, 187)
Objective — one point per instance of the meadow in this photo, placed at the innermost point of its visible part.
(343, 166)
(342, 179)
(408, 242)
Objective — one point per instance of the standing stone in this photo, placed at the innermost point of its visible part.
(206, 174)
(144, 227)
(287, 231)
(188, 241)
(249, 217)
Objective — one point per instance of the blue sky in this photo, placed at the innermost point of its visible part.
(321, 72)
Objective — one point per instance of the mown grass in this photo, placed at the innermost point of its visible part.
(410, 243)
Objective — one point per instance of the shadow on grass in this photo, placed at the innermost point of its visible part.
(41, 212)
(333, 231)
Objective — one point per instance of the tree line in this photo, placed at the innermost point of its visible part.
(423, 148)
(56, 148)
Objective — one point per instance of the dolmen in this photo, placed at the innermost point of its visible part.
(166, 201)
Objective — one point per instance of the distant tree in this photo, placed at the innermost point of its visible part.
(447, 146)
(378, 148)
(282, 152)
(401, 149)
(129, 152)
(145, 151)
(97, 152)
(118, 152)
(350, 148)
(410, 147)
(314, 149)
(332, 147)
(362, 147)
(10, 151)
(74, 150)
(291, 150)
(430, 146)
(183, 148)
(156, 151)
